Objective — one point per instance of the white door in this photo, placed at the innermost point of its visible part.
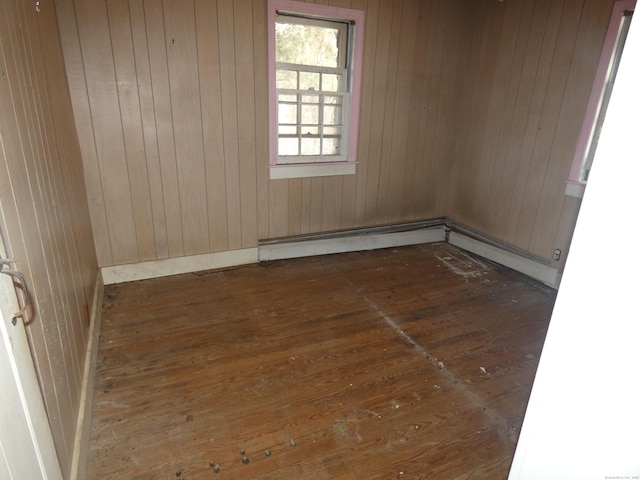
(26, 444)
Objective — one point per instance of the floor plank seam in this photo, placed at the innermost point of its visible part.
(506, 428)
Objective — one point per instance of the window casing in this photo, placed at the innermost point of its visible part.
(600, 93)
(314, 81)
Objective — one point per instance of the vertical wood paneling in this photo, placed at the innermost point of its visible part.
(423, 193)
(70, 41)
(296, 200)
(366, 106)
(132, 131)
(528, 85)
(182, 56)
(313, 188)
(481, 22)
(330, 202)
(389, 100)
(412, 208)
(496, 140)
(550, 217)
(97, 54)
(379, 80)
(230, 120)
(154, 24)
(465, 109)
(445, 164)
(305, 208)
(46, 129)
(45, 217)
(544, 69)
(398, 160)
(22, 190)
(524, 200)
(209, 70)
(245, 81)
(148, 125)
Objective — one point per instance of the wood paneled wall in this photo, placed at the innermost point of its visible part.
(534, 65)
(470, 109)
(44, 217)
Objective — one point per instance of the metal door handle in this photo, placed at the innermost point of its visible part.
(23, 283)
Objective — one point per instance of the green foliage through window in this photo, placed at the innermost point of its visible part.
(307, 45)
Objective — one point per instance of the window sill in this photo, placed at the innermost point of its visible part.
(304, 171)
(575, 188)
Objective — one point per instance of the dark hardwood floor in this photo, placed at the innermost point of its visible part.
(414, 362)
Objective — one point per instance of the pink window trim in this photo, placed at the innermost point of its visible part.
(619, 7)
(324, 11)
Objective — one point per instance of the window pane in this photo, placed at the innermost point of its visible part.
(310, 114)
(287, 129)
(307, 44)
(331, 82)
(309, 81)
(332, 115)
(310, 146)
(313, 59)
(287, 98)
(331, 146)
(287, 146)
(332, 131)
(286, 79)
(287, 113)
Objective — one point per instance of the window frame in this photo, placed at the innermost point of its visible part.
(576, 183)
(347, 164)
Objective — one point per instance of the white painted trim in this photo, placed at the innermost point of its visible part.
(83, 426)
(541, 272)
(176, 266)
(575, 189)
(358, 241)
(304, 171)
(308, 248)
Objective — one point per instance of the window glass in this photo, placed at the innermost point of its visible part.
(314, 71)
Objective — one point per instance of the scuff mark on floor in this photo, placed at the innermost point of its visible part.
(347, 429)
(506, 427)
(464, 265)
(402, 437)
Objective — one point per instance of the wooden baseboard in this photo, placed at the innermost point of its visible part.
(83, 425)
(176, 266)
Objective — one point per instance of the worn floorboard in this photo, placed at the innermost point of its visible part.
(414, 362)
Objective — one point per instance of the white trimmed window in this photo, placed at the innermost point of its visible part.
(314, 81)
(600, 93)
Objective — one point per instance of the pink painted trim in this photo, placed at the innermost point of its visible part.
(271, 56)
(325, 11)
(619, 7)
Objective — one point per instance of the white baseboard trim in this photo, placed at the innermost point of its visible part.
(539, 271)
(83, 426)
(176, 266)
(327, 246)
(346, 242)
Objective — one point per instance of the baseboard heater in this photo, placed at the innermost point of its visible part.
(432, 231)
(414, 233)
